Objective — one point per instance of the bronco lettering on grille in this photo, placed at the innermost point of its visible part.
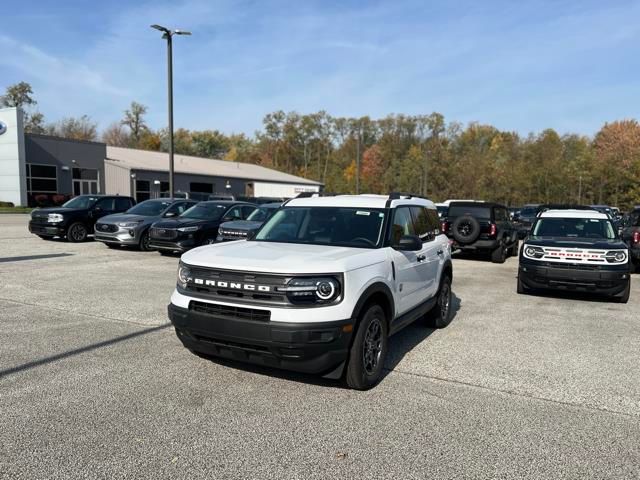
(232, 285)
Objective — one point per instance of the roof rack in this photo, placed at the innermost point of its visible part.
(562, 206)
(309, 195)
(399, 195)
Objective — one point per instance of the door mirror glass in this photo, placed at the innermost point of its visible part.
(170, 214)
(409, 243)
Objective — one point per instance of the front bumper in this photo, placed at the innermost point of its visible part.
(173, 245)
(315, 348)
(122, 236)
(573, 278)
(49, 230)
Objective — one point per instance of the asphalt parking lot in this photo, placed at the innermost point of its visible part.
(94, 384)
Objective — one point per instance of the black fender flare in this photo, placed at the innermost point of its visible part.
(372, 290)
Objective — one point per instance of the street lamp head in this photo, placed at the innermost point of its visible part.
(161, 28)
(181, 32)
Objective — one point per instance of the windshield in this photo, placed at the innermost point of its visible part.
(442, 211)
(81, 202)
(477, 211)
(150, 208)
(205, 211)
(261, 214)
(528, 212)
(574, 228)
(345, 227)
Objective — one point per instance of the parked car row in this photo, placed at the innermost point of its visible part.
(164, 224)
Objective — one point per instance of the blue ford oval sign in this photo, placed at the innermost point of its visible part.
(3, 127)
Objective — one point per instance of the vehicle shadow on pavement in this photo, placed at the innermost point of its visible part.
(406, 340)
(569, 295)
(399, 345)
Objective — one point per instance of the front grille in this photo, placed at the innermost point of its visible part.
(206, 282)
(229, 312)
(164, 233)
(41, 219)
(106, 227)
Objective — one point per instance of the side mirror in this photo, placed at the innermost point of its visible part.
(409, 243)
(169, 214)
(252, 234)
(97, 209)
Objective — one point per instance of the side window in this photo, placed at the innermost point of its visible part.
(434, 221)
(105, 204)
(402, 224)
(246, 211)
(235, 212)
(421, 222)
(122, 204)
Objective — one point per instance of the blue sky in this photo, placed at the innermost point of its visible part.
(523, 66)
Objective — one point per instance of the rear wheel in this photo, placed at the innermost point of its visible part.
(77, 232)
(440, 315)
(368, 350)
(499, 255)
(624, 296)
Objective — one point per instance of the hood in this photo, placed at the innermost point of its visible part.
(252, 256)
(43, 212)
(564, 242)
(181, 222)
(125, 217)
(244, 225)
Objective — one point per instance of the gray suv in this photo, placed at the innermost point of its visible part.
(131, 228)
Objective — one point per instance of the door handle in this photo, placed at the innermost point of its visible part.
(440, 252)
(421, 258)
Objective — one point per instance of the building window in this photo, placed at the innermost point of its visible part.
(143, 190)
(201, 187)
(85, 181)
(42, 178)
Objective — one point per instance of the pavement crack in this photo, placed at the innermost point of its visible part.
(514, 393)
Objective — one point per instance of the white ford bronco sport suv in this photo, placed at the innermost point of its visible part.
(320, 287)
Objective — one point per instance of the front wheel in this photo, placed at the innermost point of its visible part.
(369, 350)
(77, 232)
(144, 241)
(624, 296)
(440, 315)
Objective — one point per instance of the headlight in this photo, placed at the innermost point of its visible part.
(184, 275)
(616, 256)
(54, 218)
(189, 229)
(319, 290)
(129, 224)
(533, 252)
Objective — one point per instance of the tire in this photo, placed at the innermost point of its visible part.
(499, 255)
(368, 350)
(465, 229)
(440, 315)
(515, 248)
(143, 245)
(624, 296)
(522, 289)
(77, 232)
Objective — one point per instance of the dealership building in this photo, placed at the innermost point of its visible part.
(40, 169)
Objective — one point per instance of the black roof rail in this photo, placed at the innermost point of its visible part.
(309, 195)
(398, 195)
(562, 206)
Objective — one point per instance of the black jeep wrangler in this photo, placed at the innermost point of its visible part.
(483, 228)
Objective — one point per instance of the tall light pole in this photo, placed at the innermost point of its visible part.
(168, 35)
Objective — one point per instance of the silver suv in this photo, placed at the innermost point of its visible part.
(131, 228)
